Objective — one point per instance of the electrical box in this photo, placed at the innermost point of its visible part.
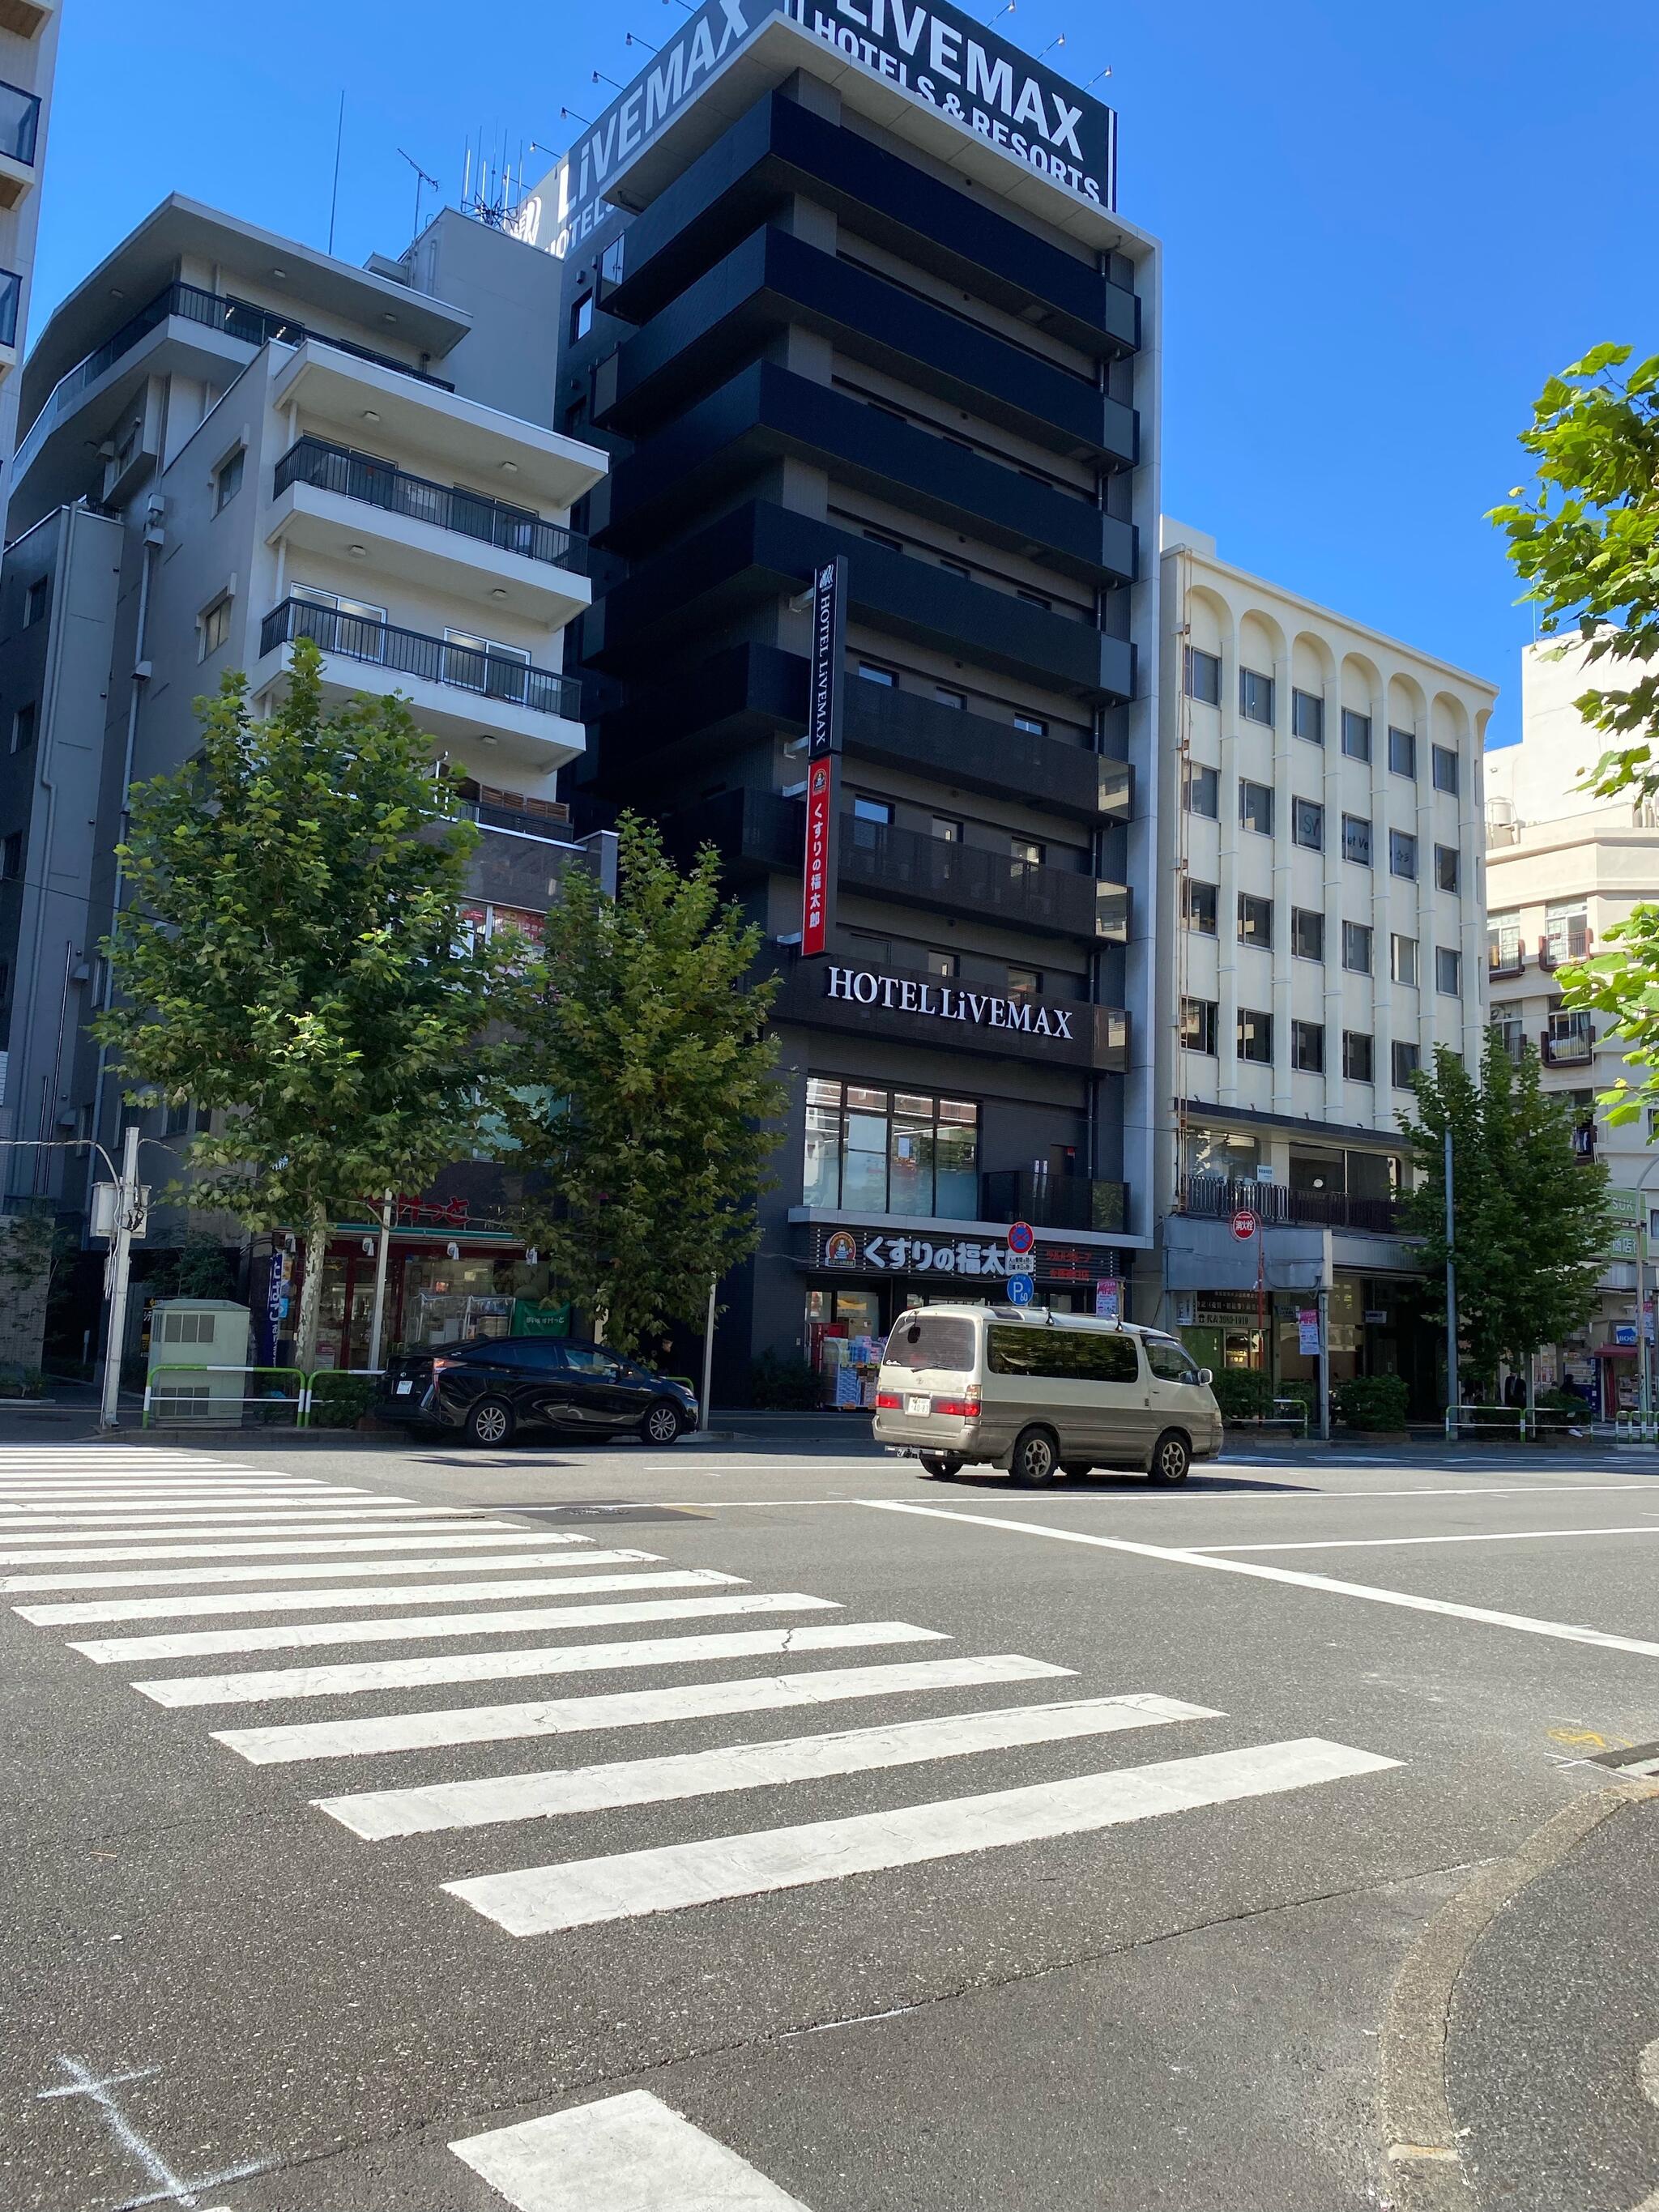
(199, 1353)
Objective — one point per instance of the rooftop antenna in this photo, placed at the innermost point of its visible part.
(421, 179)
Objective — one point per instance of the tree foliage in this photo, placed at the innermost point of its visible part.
(1530, 1222)
(639, 1023)
(293, 953)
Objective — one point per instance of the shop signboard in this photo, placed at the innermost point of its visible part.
(1307, 1332)
(876, 1252)
(822, 744)
(1108, 1298)
(1624, 1205)
(540, 1317)
(1621, 1245)
(1624, 1333)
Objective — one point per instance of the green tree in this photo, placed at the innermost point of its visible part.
(294, 953)
(1530, 1223)
(1585, 541)
(639, 1023)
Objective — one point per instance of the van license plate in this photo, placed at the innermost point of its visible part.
(403, 1389)
(915, 1406)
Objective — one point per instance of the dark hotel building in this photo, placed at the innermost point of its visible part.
(848, 280)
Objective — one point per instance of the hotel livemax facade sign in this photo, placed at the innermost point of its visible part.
(948, 1002)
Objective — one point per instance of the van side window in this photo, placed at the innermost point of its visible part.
(1067, 1355)
(1169, 1360)
(931, 1340)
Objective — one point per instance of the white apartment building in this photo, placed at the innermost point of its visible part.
(1562, 867)
(29, 55)
(232, 442)
(1320, 930)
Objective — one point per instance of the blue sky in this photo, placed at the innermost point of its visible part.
(1384, 227)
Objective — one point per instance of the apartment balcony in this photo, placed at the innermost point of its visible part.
(1051, 1201)
(1213, 1198)
(456, 694)
(1502, 966)
(521, 868)
(11, 296)
(768, 413)
(1559, 946)
(330, 501)
(914, 869)
(19, 131)
(1094, 1039)
(1569, 1042)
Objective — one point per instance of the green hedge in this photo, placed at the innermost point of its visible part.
(1371, 1401)
(339, 1401)
(787, 1386)
(1244, 1394)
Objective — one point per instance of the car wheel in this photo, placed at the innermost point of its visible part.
(1171, 1458)
(940, 1466)
(1035, 1459)
(489, 1423)
(662, 1424)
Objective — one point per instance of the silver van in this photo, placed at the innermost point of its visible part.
(1042, 1393)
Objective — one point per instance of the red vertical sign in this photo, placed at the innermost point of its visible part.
(822, 744)
(820, 811)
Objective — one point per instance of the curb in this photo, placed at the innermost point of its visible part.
(1425, 2162)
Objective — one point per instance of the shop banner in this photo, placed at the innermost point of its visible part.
(1307, 1332)
(822, 744)
(815, 879)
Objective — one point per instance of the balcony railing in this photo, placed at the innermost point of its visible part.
(19, 122)
(238, 319)
(1051, 1201)
(1510, 961)
(469, 514)
(907, 862)
(11, 292)
(1214, 1198)
(412, 653)
(1572, 943)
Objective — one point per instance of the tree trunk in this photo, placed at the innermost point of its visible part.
(311, 1294)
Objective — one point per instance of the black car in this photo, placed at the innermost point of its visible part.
(490, 1386)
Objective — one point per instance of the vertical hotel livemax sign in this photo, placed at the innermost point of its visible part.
(822, 744)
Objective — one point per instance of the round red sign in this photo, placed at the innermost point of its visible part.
(1021, 1238)
(1245, 1224)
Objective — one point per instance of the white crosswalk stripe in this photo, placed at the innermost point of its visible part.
(627, 2153)
(389, 1525)
(191, 1579)
(490, 1533)
(280, 1520)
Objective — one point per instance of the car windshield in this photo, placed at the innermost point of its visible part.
(940, 1340)
(1169, 1361)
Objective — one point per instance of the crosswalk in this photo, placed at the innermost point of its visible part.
(394, 1612)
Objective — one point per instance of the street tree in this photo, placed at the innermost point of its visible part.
(294, 952)
(1530, 1225)
(1585, 541)
(644, 1100)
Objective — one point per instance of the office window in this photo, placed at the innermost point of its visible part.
(945, 965)
(1025, 983)
(1255, 807)
(1307, 932)
(1255, 1035)
(35, 600)
(945, 829)
(1445, 770)
(947, 696)
(213, 628)
(1307, 824)
(1198, 1025)
(1402, 959)
(1203, 676)
(1405, 1063)
(879, 811)
(890, 1151)
(1033, 725)
(1201, 790)
(22, 728)
(177, 1120)
(1356, 948)
(1402, 752)
(576, 417)
(1256, 920)
(872, 672)
(1357, 840)
(1034, 599)
(1308, 1047)
(1445, 867)
(1357, 1056)
(227, 479)
(1504, 940)
(1403, 853)
(1027, 851)
(1198, 907)
(1447, 972)
(581, 317)
(1566, 929)
(1356, 734)
(1308, 717)
(1255, 696)
(885, 537)
(11, 857)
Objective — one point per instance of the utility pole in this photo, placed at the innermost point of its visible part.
(127, 1220)
(1452, 1391)
(1324, 1364)
(709, 1351)
(377, 1323)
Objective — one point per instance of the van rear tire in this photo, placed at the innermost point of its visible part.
(1035, 1460)
(1171, 1459)
(940, 1466)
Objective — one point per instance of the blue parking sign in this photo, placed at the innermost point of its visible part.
(1020, 1289)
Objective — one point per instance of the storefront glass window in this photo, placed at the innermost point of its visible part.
(881, 1152)
(1226, 1153)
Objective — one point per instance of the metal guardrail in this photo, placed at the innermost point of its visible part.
(270, 1408)
(469, 514)
(412, 652)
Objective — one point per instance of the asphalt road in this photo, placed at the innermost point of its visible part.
(934, 1846)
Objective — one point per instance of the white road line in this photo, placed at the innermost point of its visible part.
(627, 2153)
(297, 1636)
(1477, 1537)
(152, 1497)
(577, 1892)
(262, 1685)
(164, 1543)
(1563, 1630)
(501, 1533)
(754, 1694)
(310, 1571)
(315, 1600)
(375, 1815)
(182, 1518)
